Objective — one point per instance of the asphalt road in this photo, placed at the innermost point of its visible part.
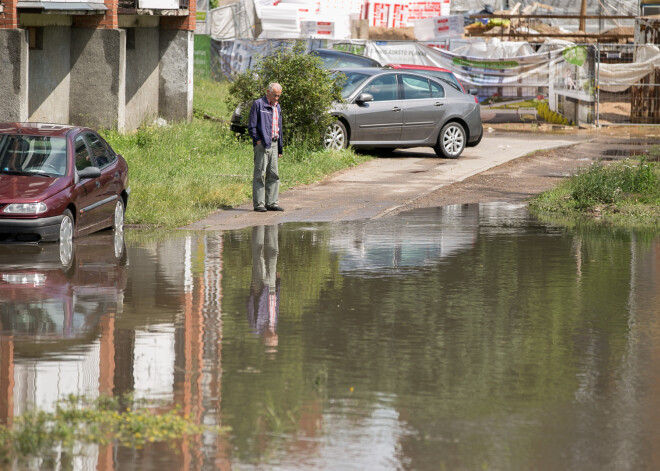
(385, 184)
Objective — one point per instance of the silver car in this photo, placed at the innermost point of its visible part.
(390, 109)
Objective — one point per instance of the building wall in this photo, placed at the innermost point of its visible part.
(176, 74)
(13, 75)
(142, 70)
(49, 76)
(98, 78)
(80, 71)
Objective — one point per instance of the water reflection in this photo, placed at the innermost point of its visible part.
(463, 337)
(264, 301)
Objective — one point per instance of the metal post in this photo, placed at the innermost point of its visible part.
(597, 84)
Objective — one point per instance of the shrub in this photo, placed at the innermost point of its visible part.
(308, 92)
(609, 184)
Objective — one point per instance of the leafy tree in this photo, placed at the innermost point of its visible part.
(308, 92)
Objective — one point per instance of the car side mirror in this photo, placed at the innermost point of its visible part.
(364, 97)
(89, 172)
(473, 91)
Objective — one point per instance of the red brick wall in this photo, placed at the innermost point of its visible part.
(107, 21)
(9, 17)
(181, 22)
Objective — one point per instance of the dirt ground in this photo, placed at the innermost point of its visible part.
(522, 178)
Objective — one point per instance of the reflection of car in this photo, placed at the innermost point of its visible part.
(438, 72)
(48, 299)
(334, 59)
(57, 182)
(389, 108)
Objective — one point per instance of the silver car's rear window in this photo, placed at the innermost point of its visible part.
(39, 155)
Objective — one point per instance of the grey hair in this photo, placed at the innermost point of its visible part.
(273, 86)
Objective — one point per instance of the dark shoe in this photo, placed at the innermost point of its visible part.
(260, 209)
(274, 207)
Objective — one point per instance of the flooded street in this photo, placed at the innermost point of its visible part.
(463, 337)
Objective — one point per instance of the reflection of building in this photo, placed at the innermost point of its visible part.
(84, 340)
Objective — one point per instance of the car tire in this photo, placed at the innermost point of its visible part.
(67, 227)
(118, 218)
(336, 136)
(451, 141)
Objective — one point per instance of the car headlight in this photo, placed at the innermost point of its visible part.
(25, 208)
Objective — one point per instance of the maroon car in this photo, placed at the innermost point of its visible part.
(57, 182)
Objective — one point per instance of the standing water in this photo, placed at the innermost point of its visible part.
(463, 337)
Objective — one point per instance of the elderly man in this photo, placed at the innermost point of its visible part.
(265, 129)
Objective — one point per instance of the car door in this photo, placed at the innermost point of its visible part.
(93, 194)
(109, 183)
(379, 120)
(424, 108)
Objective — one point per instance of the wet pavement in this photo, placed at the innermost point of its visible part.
(386, 184)
(460, 337)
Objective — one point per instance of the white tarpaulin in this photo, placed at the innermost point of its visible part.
(532, 70)
(619, 77)
(493, 49)
(232, 21)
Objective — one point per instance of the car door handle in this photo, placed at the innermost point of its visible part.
(437, 103)
(98, 184)
(396, 108)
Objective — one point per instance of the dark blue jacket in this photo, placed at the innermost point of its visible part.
(261, 123)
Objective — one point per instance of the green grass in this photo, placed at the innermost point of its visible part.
(183, 172)
(624, 193)
(106, 420)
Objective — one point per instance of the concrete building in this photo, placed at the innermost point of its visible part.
(101, 63)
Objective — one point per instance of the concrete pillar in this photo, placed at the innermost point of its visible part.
(97, 95)
(175, 99)
(49, 76)
(13, 75)
(142, 76)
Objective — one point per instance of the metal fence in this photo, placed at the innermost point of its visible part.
(634, 96)
(585, 84)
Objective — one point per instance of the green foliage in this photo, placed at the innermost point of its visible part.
(611, 184)
(308, 92)
(102, 421)
(553, 117)
(622, 193)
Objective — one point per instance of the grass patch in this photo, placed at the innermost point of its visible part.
(106, 420)
(623, 193)
(183, 172)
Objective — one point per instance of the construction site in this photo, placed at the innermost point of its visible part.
(584, 63)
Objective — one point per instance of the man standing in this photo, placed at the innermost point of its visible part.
(265, 129)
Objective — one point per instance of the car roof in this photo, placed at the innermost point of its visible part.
(337, 53)
(364, 70)
(418, 67)
(378, 71)
(38, 129)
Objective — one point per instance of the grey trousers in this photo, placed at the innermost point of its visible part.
(265, 179)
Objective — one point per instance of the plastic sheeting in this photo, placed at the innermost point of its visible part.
(620, 77)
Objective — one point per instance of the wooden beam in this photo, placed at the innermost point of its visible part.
(557, 17)
(583, 13)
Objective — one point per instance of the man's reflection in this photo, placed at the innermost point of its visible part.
(264, 302)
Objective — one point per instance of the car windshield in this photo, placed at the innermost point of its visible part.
(352, 81)
(32, 155)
